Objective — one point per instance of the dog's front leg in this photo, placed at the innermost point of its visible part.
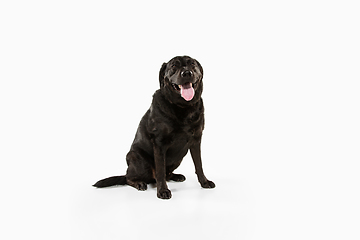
(196, 156)
(163, 191)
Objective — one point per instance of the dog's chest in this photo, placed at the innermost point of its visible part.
(179, 141)
(176, 128)
(185, 132)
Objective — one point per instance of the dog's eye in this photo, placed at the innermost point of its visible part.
(176, 64)
(190, 63)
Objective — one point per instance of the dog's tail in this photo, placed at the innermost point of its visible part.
(111, 181)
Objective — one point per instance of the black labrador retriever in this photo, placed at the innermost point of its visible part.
(173, 125)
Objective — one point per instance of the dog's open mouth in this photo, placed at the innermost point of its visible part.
(186, 90)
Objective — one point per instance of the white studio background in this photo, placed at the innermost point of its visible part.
(281, 141)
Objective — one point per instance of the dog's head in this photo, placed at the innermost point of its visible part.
(181, 80)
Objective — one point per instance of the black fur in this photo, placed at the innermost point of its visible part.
(111, 181)
(167, 131)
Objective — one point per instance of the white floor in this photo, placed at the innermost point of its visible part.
(253, 199)
(192, 212)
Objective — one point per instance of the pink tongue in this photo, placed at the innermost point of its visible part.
(187, 92)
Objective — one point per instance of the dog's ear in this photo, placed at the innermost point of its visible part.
(200, 67)
(162, 75)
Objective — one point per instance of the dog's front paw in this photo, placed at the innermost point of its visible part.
(164, 194)
(207, 184)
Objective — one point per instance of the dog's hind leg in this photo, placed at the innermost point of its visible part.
(176, 177)
(139, 185)
(139, 172)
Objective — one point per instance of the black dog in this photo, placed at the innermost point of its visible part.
(173, 125)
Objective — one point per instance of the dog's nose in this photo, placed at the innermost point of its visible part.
(186, 74)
